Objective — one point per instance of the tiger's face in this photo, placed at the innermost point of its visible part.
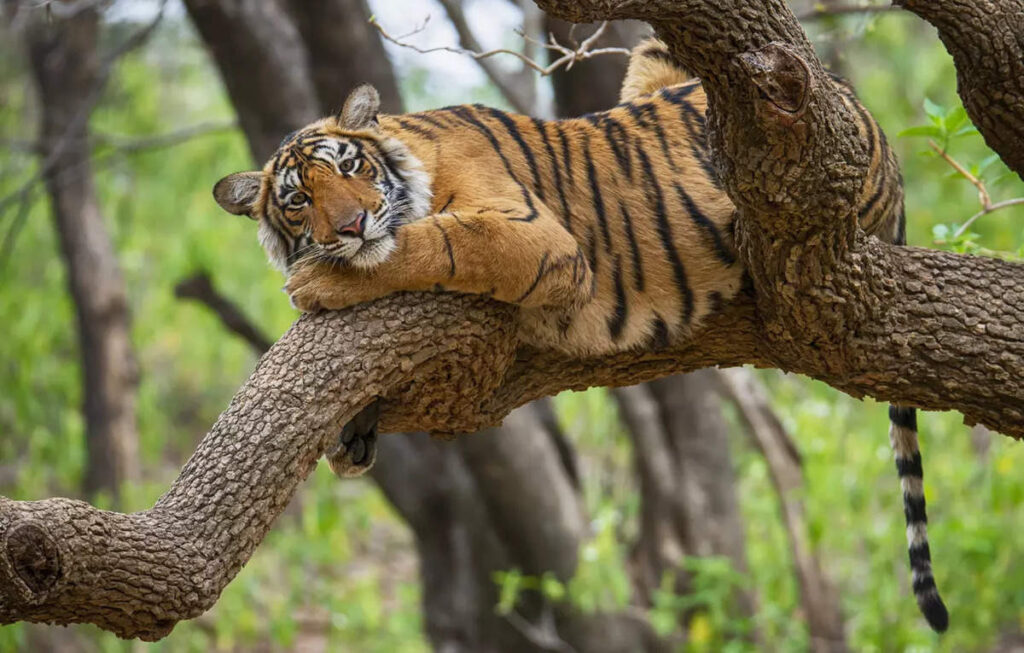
(336, 190)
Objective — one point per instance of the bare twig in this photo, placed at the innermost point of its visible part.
(200, 288)
(127, 144)
(825, 12)
(131, 144)
(987, 206)
(15, 228)
(514, 87)
(81, 115)
(569, 55)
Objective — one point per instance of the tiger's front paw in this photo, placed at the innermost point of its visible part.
(317, 287)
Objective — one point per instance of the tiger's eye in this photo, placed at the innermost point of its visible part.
(349, 165)
(298, 199)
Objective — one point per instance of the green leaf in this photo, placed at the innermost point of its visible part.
(955, 119)
(966, 130)
(922, 130)
(934, 111)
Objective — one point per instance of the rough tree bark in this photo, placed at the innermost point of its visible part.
(906, 325)
(66, 65)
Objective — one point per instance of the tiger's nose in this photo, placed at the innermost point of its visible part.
(354, 228)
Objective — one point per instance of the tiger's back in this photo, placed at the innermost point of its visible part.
(632, 185)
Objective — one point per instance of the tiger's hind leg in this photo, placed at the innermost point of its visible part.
(356, 448)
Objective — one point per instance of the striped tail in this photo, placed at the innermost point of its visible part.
(903, 436)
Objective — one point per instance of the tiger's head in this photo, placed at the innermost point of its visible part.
(335, 190)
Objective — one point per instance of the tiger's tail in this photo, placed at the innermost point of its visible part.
(903, 436)
(650, 68)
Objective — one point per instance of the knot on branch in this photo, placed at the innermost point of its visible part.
(34, 558)
(784, 79)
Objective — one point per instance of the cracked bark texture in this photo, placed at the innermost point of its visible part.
(986, 39)
(905, 325)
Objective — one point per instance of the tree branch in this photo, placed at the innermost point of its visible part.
(199, 287)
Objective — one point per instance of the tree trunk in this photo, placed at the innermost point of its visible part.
(818, 597)
(264, 65)
(66, 67)
(689, 505)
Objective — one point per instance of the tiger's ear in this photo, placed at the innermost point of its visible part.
(239, 192)
(360, 110)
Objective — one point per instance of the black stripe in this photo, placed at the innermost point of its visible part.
(634, 248)
(448, 247)
(598, 201)
(903, 417)
(920, 555)
(646, 116)
(566, 152)
(924, 583)
(617, 139)
(715, 301)
(513, 130)
(677, 94)
(910, 466)
(659, 334)
(536, 280)
(541, 127)
(465, 114)
(447, 204)
(869, 126)
(901, 228)
(409, 125)
(913, 509)
(693, 120)
(655, 197)
(617, 320)
(723, 253)
(431, 119)
(663, 56)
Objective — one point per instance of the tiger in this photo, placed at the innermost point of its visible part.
(609, 232)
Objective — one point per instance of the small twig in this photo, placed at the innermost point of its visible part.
(825, 12)
(569, 55)
(7, 248)
(199, 287)
(129, 145)
(983, 195)
(84, 109)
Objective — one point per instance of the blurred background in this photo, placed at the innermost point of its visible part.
(715, 511)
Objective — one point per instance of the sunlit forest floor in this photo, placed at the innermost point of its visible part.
(339, 571)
